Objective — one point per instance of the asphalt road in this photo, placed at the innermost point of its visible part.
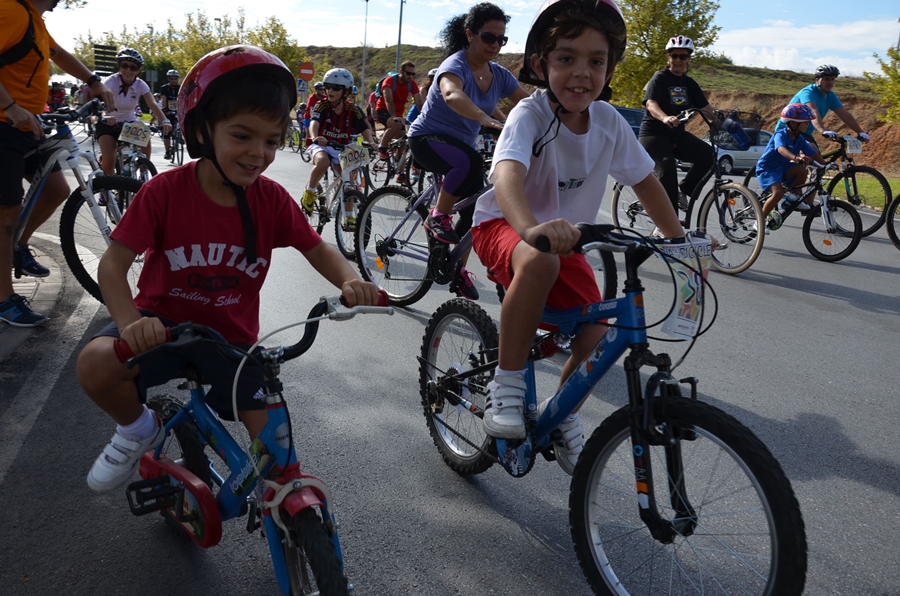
(803, 352)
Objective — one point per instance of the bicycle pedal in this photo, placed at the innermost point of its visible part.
(152, 494)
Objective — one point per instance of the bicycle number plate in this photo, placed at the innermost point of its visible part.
(353, 157)
(684, 320)
(136, 133)
(854, 145)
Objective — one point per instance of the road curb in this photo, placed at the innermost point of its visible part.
(42, 293)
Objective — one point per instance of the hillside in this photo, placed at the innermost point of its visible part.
(750, 89)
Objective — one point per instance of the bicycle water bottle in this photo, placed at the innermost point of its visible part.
(789, 200)
(734, 128)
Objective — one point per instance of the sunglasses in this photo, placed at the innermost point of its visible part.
(409, 74)
(330, 87)
(679, 56)
(490, 39)
(129, 66)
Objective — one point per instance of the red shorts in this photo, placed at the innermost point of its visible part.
(494, 242)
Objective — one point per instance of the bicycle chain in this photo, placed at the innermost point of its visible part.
(477, 448)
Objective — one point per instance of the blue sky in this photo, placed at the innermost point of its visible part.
(758, 33)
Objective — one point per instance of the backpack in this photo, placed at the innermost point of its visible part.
(392, 75)
(24, 46)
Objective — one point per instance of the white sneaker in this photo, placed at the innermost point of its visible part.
(755, 228)
(570, 447)
(504, 415)
(803, 206)
(120, 457)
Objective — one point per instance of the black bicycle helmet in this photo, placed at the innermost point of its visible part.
(544, 19)
(827, 70)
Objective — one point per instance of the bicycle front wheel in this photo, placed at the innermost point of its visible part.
(862, 186)
(393, 246)
(733, 217)
(296, 140)
(345, 222)
(312, 564)
(145, 169)
(747, 535)
(381, 171)
(893, 221)
(832, 235)
(627, 213)
(460, 337)
(83, 242)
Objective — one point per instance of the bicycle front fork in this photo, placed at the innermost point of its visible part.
(651, 427)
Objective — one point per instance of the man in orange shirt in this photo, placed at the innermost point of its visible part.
(23, 92)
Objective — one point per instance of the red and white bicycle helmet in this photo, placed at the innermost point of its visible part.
(797, 112)
(550, 9)
(680, 42)
(210, 75)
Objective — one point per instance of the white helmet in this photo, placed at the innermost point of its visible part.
(680, 42)
(339, 76)
(432, 73)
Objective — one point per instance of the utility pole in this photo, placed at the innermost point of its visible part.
(399, 34)
(362, 87)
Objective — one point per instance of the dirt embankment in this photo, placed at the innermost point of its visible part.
(882, 152)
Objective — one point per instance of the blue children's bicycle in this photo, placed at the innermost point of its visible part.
(670, 495)
(180, 479)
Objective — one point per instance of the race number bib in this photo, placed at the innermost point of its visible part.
(136, 133)
(854, 145)
(684, 321)
(353, 157)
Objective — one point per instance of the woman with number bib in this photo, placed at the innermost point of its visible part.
(127, 89)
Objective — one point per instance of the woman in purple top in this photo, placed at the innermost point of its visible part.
(464, 99)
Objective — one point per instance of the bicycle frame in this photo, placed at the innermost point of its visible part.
(65, 150)
(272, 454)
(628, 335)
(812, 188)
(426, 199)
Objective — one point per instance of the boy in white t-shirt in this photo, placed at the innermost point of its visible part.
(550, 170)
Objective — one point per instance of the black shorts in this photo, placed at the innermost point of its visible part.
(14, 144)
(173, 119)
(215, 369)
(382, 116)
(105, 129)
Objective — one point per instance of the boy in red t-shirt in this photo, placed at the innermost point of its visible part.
(207, 231)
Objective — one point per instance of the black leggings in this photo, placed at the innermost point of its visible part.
(687, 148)
(461, 165)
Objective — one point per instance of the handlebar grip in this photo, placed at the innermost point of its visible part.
(383, 299)
(123, 350)
(542, 244)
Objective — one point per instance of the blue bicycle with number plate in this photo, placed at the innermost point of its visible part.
(200, 476)
(670, 495)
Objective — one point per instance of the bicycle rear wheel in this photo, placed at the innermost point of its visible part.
(296, 140)
(460, 336)
(863, 186)
(344, 230)
(836, 238)
(393, 246)
(893, 221)
(752, 182)
(312, 564)
(381, 172)
(734, 218)
(627, 212)
(83, 242)
(748, 536)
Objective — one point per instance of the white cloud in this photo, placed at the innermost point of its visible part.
(782, 45)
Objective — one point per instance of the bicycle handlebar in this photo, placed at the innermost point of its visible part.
(189, 333)
(71, 115)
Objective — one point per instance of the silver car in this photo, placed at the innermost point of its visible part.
(732, 159)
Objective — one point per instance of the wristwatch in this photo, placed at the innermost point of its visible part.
(92, 79)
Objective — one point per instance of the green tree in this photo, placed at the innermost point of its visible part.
(887, 86)
(272, 36)
(650, 24)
